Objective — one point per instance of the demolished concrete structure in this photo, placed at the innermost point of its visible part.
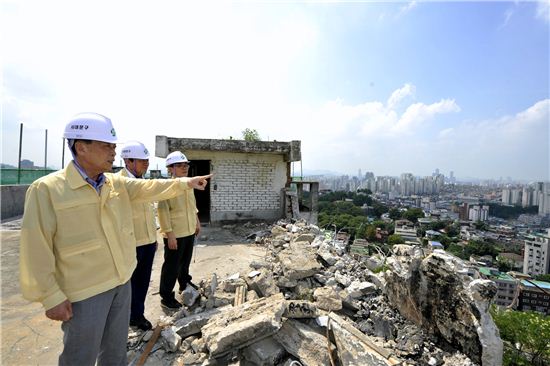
(318, 305)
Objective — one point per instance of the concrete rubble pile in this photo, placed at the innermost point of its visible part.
(308, 302)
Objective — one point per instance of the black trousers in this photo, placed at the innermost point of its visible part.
(141, 278)
(176, 266)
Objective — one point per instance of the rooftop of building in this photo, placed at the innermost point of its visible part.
(532, 283)
(495, 274)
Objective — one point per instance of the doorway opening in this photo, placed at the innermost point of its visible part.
(201, 167)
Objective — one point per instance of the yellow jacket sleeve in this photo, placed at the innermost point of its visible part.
(37, 257)
(163, 211)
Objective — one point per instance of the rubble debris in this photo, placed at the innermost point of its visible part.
(240, 295)
(298, 309)
(303, 342)
(327, 298)
(354, 347)
(171, 339)
(263, 284)
(297, 265)
(266, 352)
(189, 325)
(242, 325)
(438, 299)
(414, 311)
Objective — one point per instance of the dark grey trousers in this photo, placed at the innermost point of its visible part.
(98, 330)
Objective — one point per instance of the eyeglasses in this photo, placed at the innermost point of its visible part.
(180, 165)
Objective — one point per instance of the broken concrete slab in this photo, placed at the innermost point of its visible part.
(298, 265)
(242, 325)
(327, 298)
(266, 352)
(229, 285)
(193, 324)
(354, 347)
(305, 237)
(299, 309)
(304, 342)
(264, 284)
(171, 339)
(358, 289)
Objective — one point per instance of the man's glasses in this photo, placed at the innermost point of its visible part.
(181, 165)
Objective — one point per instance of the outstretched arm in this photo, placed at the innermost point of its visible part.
(199, 182)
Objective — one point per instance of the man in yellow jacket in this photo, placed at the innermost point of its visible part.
(77, 249)
(136, 162)
(179, 224)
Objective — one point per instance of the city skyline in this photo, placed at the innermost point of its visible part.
(388, 87)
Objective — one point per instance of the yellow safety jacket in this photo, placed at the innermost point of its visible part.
(143, 215)
(75, 243)
(178, 214)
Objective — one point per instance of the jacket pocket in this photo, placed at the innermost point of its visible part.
(80, 248)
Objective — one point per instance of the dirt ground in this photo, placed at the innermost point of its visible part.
(29, 338)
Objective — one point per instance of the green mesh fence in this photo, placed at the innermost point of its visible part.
(23, 176)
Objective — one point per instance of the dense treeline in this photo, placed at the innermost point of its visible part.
(346, 211)
(510, 212)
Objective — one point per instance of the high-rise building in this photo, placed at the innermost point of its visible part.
(544, 203)
(478, 213)
(536, 257)
(463, 212)
(452, 178)
(527, 197)
(516, 197)
(506, 196)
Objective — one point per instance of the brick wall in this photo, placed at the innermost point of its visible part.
(247, 186)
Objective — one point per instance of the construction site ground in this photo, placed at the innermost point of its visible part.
(29, 338)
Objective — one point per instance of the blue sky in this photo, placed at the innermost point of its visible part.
(388, 87)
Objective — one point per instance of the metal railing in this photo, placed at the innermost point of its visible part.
(22, 176)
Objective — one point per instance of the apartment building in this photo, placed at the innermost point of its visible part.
(536, 257)
(506, 285)
(534, 296)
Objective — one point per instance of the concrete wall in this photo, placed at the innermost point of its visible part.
(245, 186)
(13, 200)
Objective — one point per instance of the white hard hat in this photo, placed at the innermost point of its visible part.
(176, 157)
(90, 126)
(134, 150)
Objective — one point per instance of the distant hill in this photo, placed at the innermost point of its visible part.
(7, 166)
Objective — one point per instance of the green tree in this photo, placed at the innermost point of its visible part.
(543, 277)
(504, 265)
(437, 225)
(452, 230)
(379, 209)
(370, 235)
(395, 239)
(250, 135)
(394, 213)
(480, 225)
(457, 250)
(413, 214)
(525, 334)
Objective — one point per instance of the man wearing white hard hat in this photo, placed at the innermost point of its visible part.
(179, 224)
(136, 162)
(78, 248)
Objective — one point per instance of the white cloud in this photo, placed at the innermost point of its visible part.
(543, 10)
(400, 94)
(516, 143)
(418, 113)
(407, 8)
(507, 16)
